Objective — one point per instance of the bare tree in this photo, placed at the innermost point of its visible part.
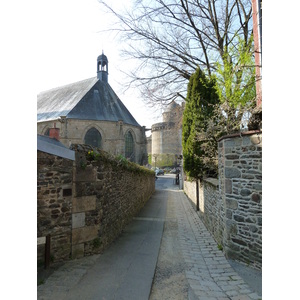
(171, 38)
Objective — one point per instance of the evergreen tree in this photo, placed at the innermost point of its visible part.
(198, 141)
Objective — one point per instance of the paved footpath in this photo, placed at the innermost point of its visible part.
(126, 269)
(209, 274)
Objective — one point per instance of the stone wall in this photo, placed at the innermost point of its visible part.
(85, 205)
(54, 204)
(213, 215)
(190, 189)
(210, 207)
(240, 179)
(107, 196)
(231, 207)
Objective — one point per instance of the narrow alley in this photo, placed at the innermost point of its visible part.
(164, 253)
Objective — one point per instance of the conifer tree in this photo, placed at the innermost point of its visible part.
(198, 141)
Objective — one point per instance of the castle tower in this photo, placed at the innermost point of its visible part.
(167, 135)
(102, 67)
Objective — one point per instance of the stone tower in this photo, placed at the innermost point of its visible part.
(166, 137)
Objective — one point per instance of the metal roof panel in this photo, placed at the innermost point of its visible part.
(54, 147)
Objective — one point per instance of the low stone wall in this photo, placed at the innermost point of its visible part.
(213, 215)
(189, 188)
(84, 205)
(231, 207)
(210, 208)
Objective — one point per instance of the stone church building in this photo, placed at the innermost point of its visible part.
(90, 112)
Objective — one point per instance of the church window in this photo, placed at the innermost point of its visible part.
(93, 137)
(129, 146)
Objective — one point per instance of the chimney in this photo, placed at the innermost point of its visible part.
(54, 132)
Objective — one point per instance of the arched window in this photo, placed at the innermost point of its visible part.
(93, 137)
(129, 146)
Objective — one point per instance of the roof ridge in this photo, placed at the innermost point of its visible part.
(68, 84)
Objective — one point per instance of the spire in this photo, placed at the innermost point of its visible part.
(102, 67)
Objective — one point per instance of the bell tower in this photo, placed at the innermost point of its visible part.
(102, 67)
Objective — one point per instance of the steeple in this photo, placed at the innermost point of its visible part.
(102, 67)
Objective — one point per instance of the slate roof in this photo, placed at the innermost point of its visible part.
(90, 99)
(53, 146)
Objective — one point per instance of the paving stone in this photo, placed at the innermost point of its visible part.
(208, 298)
(228, 287)
(232, 293)
(245, 291)
(254, 296)
(219, 275)
(216, 294)
(241, 297)
(193, 277)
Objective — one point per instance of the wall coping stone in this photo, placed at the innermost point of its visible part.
(212, 181)
(240, 134)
